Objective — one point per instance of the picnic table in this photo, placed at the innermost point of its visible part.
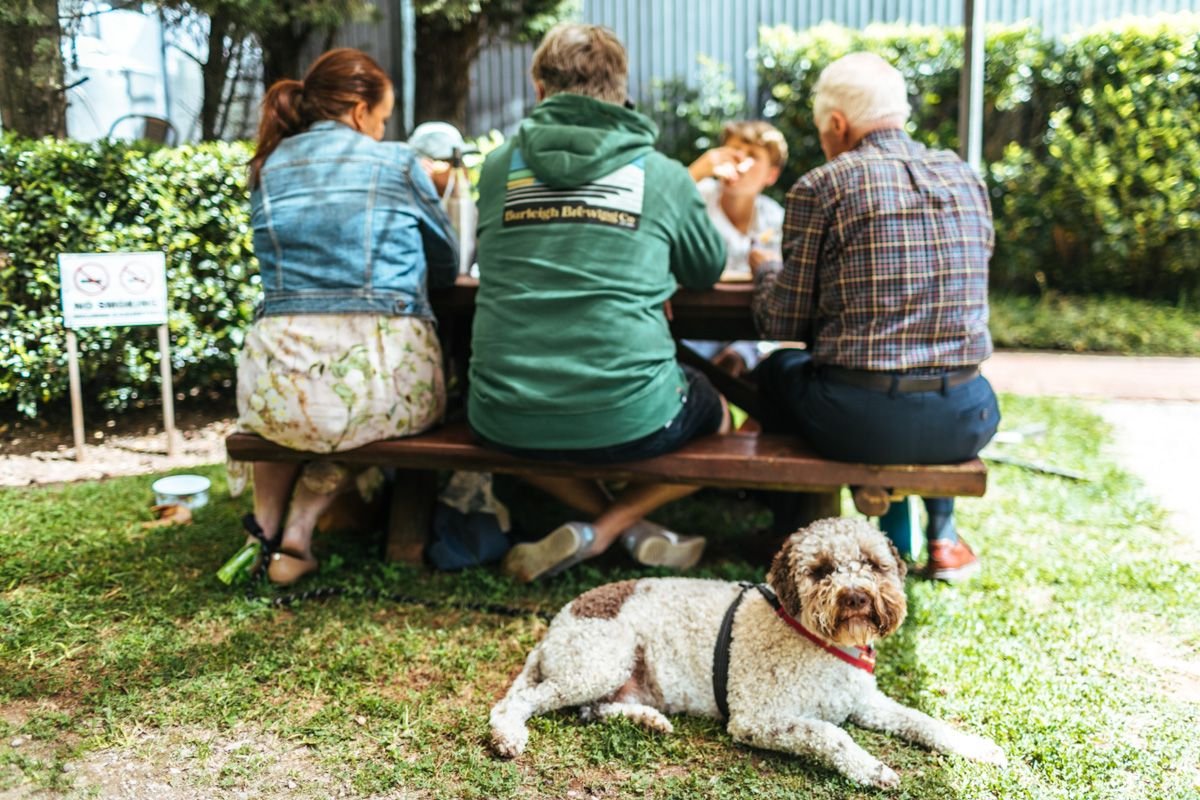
(739, 460)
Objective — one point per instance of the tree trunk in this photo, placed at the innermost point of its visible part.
(443, 68)
(32, 101)
(215, 73)
(281, 49)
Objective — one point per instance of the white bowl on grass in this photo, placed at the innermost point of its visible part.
(181, 490)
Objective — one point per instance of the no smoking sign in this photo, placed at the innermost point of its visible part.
(101, 290)
(90, 279)
(136, 278)
(113, 289)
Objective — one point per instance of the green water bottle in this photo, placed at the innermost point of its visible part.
(240, 563)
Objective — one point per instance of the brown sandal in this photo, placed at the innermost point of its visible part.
(286, 568)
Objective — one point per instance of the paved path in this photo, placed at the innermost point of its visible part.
(1160, 443)
(1153, 405)
(1098, 377)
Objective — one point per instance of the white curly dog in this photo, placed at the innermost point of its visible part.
(785, 668)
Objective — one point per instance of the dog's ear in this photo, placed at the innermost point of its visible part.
(901, 565)
(782, 575)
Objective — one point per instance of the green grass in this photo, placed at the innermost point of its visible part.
(1094, 324)
(1072, 650)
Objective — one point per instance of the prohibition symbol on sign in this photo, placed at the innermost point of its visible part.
(136, 278)
(91, 278)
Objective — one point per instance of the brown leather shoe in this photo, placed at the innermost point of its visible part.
(951, 561)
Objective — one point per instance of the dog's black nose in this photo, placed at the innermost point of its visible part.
(853, 600)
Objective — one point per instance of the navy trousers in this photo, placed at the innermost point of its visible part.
(851, 423)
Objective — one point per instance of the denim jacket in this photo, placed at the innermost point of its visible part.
(345, 224)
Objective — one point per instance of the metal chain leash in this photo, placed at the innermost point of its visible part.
(350, 593)
(258, 575)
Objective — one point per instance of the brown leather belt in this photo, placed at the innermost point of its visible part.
(897, 381)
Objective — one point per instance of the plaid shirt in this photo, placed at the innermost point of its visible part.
(885, 268)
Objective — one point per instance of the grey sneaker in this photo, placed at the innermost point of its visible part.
(653, 545)
(558, 550)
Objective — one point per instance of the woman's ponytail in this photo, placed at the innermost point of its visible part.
(282, 116)
(333, 85)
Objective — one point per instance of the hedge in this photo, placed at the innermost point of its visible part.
(1015, 83)
(1092, 142)
(63, 196)
(1108, 200)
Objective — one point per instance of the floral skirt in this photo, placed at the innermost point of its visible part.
(330, 382)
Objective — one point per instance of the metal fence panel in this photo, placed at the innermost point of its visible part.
(665, 37)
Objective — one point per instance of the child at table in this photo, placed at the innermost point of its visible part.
(731, 179)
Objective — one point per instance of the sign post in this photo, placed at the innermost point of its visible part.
(168, 388)
(115, 289)
(76, 398)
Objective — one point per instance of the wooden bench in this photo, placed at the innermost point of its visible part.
(736, 461)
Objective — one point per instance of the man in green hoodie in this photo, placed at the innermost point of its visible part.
(584, 233)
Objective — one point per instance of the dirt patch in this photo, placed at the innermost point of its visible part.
(42, 451)
(189, 764)
(1171, 664)
(1181, 676)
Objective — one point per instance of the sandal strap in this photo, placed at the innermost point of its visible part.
(283, 551)
(250, 523)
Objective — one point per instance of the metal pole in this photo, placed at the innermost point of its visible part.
(970, 88)
(168, 389)
(408, 56)
(76, 393)
(166, 76)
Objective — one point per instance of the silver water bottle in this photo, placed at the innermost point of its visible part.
(460, 207)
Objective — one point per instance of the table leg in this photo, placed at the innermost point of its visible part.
(794, 510)
(414, 492)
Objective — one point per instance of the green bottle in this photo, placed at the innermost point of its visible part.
(240, 563)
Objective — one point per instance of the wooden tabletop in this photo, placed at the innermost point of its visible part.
(721, 313)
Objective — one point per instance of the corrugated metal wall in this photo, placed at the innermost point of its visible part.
(664, 37)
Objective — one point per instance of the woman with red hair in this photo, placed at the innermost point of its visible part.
(349, 233)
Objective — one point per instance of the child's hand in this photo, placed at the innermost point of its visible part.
(721, 162)
(438, 172)
(758, 256)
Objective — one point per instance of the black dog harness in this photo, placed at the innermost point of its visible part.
(861, 657)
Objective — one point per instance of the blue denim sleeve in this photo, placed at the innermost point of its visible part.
(437, 235)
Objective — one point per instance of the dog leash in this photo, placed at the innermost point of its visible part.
(259, 574)
(351, 593)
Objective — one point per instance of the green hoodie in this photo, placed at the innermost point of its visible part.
(584, 232)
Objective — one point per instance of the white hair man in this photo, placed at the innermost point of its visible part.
(886, 250)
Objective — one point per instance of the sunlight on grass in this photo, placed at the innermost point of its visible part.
(1067, 651)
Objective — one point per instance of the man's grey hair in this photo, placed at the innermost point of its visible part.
(862, 86)
(582, 59)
